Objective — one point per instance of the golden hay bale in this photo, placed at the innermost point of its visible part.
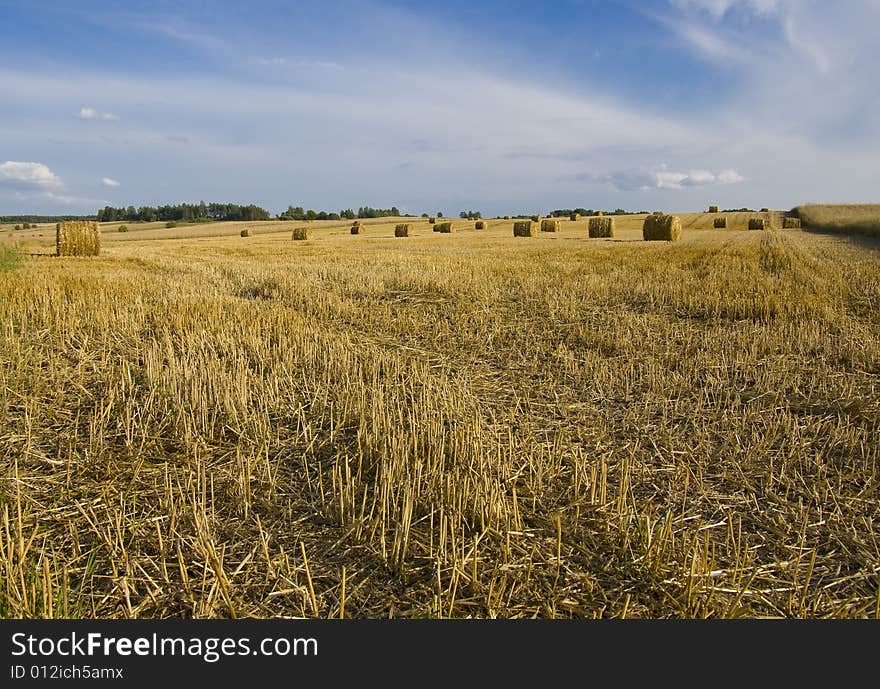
(432, 220)
(77, 238)
(599, 214)
(357, 229)
(402, 230)
(536, 218)
(758, 224)
(713, 209)
(791, 223)
(481, 225)
(574, 217)
(720, 223)
(445, 227)
(658, 228)
(507, 217)
(765, 210)
(301, 233)
(551, 226)
(599, 228)
(524, 228)
(245, 233)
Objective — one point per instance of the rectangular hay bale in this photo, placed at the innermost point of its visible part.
(402, 230)
(524, 228)
(758, 224)
(245, 233)
(600, 228)
(720, 223)
(551, 226)
(713, 209)
(662, 228)
(481, 225)
(301, 233)
(357, 229)
(574, 217)
(791, 223)
(78, 238)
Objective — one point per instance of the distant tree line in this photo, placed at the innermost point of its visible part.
(20, 219)
(300, 213)
(565, 212)
(470, 215)
(186, 212)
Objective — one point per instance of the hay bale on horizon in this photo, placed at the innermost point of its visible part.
(600, 228)
(431, 221)
(600, 214)
(720, 223)
(77, 238)
(301, 233)
(480, 225)
(245, 233)
(507, 217)
(574, 217)
(765, 210)
(660, 228)
(791, 223)
(444, 227)
(713, 209)
(759, 224)
(550, 225)
(536, 218)
(402, 230)
(524, 228)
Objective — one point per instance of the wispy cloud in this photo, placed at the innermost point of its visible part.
(93, 114)
(662, 178)
(109, 182)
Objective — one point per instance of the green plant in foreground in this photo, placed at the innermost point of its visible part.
(10, 258)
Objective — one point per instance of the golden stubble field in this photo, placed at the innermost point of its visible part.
(465, 425)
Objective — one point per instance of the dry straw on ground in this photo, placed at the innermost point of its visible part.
(245, 233)
(524, 228)
(791, 223)
(551, 226)
(481, 225)
(720, 223)
(444, 227)
(599, 228)
(713, 209)
(662, 228)
(402, 230)
(758, 224)
(77, 238)
(302, 233)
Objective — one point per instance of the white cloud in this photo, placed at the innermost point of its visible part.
(27, 176)
(662, 178)
(108, 182)
(718, 8)
(92, 114)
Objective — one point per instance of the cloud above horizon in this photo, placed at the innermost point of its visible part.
(663, 178)
(27, 176)
(109, 182)
(92, 114)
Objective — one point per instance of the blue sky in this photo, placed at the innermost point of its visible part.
(503, 107)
